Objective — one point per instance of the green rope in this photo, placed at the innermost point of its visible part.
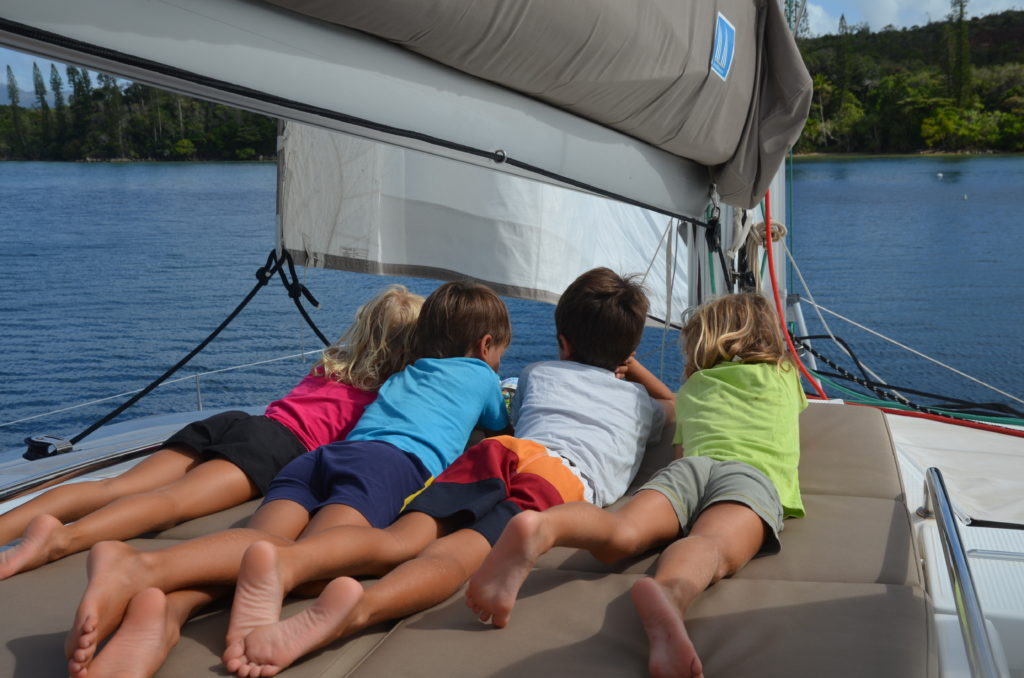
(863, 399)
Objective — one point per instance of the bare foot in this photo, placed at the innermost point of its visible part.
(493, 589)
(672, 652)
(268, 650)
(116, 573)
(32, 550)
(259, 592)
(142, 642)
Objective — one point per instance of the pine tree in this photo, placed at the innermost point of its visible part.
(960, 53)
(17, 140)
(59, 114)
(45, 130)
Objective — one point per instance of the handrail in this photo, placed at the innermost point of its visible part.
(972, 621)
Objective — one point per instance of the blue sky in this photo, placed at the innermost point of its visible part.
(822, 15)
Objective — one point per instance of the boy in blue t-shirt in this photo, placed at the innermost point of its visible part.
(418, 424)
(580, 435)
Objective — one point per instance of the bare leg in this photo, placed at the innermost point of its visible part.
(74, 500)
(117, 572)
(269, 572)
(646, 520)
(209, 487)
(724, 538)
(343, 608)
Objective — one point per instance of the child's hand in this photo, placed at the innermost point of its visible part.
(622, 370)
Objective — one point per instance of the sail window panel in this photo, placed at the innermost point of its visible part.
(354, 204)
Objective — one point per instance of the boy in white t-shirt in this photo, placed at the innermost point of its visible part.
(582, 424)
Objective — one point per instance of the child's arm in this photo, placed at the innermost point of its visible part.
(636, 372)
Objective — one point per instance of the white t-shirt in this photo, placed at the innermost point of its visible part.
(599, 424)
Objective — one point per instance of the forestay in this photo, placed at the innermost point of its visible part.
(353, 204)
(720, 82)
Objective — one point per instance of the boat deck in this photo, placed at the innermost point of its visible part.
(845, 597)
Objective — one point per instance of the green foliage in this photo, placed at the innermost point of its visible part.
(114, 120)
(956, 85)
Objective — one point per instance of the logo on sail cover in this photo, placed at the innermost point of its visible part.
(725, 45)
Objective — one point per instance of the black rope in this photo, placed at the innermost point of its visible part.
(43, 446)
(871, 385)
(296, 290)
(849, 352)
(946, 402)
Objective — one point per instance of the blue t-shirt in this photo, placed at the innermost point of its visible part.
(430, 408)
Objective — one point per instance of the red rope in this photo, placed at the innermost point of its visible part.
(947, 420)
(778, 301)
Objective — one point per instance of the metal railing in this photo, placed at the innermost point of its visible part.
(980, 655)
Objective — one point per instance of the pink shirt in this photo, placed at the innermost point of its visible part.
(319, 411)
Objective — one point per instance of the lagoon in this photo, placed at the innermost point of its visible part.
(113, 272)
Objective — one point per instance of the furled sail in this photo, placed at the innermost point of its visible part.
(720, 82)
(353, 204)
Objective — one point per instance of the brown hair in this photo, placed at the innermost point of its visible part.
(741, 327)
(602, 316)
(379, 343)
(456, 316)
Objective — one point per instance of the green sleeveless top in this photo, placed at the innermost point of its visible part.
(748, 413)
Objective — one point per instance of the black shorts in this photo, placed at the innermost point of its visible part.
(258, 445)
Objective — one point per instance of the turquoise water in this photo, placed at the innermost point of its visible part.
(113, 272)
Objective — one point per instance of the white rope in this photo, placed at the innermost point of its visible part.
(921, 355)
(657, 250)
(166, 383)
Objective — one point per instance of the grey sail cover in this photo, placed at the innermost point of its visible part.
(720, 82)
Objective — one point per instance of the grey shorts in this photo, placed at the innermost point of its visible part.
(692, 484)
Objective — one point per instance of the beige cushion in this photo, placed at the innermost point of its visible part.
(843, 598)
(585, 625)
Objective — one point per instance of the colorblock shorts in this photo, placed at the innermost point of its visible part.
(371, 476)
(258, 445)
(493, 481)
(692, 484)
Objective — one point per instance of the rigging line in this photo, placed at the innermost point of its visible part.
(671, 247)
(853, 356)
(264, 275)
(166, 383)
(821, 318)
(778, 301)
(864, 383)
(919, 354)
(657, 250)
(945, 402)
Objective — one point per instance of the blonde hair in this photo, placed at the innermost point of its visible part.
(379, 343)
(735, 327)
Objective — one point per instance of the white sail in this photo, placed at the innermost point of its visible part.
(350, 203)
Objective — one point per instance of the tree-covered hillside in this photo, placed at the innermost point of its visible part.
(954, 85)
(113, 120)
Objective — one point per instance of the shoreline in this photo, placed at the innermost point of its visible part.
(921, 154)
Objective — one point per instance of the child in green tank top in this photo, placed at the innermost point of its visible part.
(715, 508)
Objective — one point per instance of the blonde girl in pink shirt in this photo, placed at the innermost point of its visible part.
(226, 459)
